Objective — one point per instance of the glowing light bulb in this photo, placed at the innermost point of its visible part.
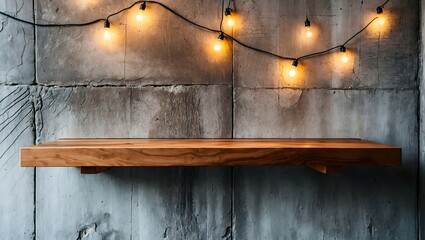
(230, 21)
(344, 58)
(107, 34)
(140, 17)
(293, 71)
(107, 26)
(229, 17)
(344, 55)
(141, 14)
(381, 20)
(219, 44)
(381, 17)
(308, 32)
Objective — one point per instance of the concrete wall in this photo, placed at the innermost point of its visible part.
(162, 79)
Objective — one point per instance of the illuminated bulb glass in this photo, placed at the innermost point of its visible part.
(229, 18)
(381, 19)
(140, 16)
(293, 72)
(107, 34)
(308, 32)
(230, 21)
(344, 57)
(218, 45)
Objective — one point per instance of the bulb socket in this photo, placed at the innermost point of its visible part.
(380, 10)
(307, 22)
(295, 63)
(228, 11)
(107, 24)
(143, 6)
(221, 36)
(342, 49)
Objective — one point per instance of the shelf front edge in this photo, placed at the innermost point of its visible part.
(138, 157)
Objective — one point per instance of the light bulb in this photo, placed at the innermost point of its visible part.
(230, 21)
(308, 32)
(141, 14)
(381, 17)
(219, 44)
(344, 58)
(107, 26)
(140, 17)
(229, 18)
(293, 71)
(344, 55)
(107, 34)
(381, 20)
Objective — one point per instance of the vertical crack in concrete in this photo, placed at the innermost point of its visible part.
(38, 117)
(34, 124)
(125, 48)
(131, 203)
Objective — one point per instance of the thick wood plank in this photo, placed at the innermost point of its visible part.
(207, 152)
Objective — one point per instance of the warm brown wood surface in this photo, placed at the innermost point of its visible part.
(324, 155)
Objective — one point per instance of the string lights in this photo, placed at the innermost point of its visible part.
(228, 14)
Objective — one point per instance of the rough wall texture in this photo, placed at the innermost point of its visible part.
(160, 79)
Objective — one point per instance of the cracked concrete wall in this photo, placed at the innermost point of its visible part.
(160, 79)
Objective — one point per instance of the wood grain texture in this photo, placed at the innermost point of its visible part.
(209, 152)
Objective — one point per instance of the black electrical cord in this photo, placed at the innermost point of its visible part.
(222, 15)
(257, 49)
(53, 24)
(385, 3)
(195, 24)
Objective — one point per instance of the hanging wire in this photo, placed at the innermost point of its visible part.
(195, 24)
(222, 15)
(383, 5)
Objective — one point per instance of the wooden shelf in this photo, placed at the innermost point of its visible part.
(95, 155)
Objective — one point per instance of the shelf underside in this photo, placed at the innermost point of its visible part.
(95, 155)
